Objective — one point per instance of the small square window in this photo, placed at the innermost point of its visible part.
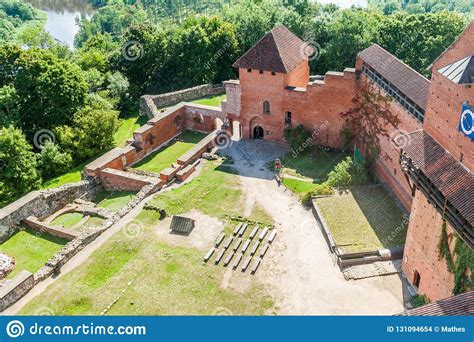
(261, 71)
(249, 70)
(273, 73)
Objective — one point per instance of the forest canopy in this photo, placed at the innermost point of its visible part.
(68, 94)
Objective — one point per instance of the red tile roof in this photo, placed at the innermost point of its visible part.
(407, 80)
(460, 305)
(451, 177)
(280, 50)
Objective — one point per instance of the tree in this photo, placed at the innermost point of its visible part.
(18, 172)
(53, 162)
(351, 31)
(419, 39)
(203, 50)
(49, 90)
(92, 130)
(118, 85)
(8, 110)
(369, 119)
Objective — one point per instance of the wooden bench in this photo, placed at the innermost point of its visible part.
(246, 263)
(209, 254)
(237, 229)
(219, 239)
(246, 245)
(228, 258)
(263, 234)
(255, 265)
(242, 229)
(272, 236)
(254, 248)
(264, 250)
(253, 233)
(237, 260)
(237, 244)
(219, 256)
(228, 242)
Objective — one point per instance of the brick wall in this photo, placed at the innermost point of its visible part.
(421, 250)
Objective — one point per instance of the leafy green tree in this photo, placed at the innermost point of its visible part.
(351, 31)
(18, 173)
(49, 90)
(420, 38)
(53, 162)
(92, 130)
(114, 19)
(8, 110)
(203, 50)
(118, 85)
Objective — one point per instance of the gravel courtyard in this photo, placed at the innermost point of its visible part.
(299, 271)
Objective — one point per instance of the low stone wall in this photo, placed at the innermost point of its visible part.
(12, 290)
(40, 227)
(149, 104)
(41, 204)
(74, 246)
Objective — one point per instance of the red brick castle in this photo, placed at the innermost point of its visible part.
(430, 171)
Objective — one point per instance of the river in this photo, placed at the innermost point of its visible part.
(61, 23)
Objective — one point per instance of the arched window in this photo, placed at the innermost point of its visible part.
(266, 107)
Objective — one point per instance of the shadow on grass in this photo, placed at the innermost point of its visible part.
(383, 214)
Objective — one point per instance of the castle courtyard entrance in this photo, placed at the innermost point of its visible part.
(258, 132)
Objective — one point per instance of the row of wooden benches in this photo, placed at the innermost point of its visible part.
(240, 230)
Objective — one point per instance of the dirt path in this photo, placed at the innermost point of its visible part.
(298, 270)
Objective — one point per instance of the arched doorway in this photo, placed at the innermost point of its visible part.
(258, 132)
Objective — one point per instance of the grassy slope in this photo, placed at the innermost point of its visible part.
(114, 201)
(163, 158)
(31, 251)
(163, 280)
(127, 127)
(364, 219)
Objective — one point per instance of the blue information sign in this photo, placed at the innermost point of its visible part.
(467, 121)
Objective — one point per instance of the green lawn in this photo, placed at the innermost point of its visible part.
(72, 176)
(164, 279)
(299, 186)
(211, 100)
(365, 218)
(215, 192)
(31, 251)
(163, 158)
(312, 163)
(67, 220)
(114, 201)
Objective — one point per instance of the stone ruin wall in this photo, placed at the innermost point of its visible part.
(41, 204)
(149, 104)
